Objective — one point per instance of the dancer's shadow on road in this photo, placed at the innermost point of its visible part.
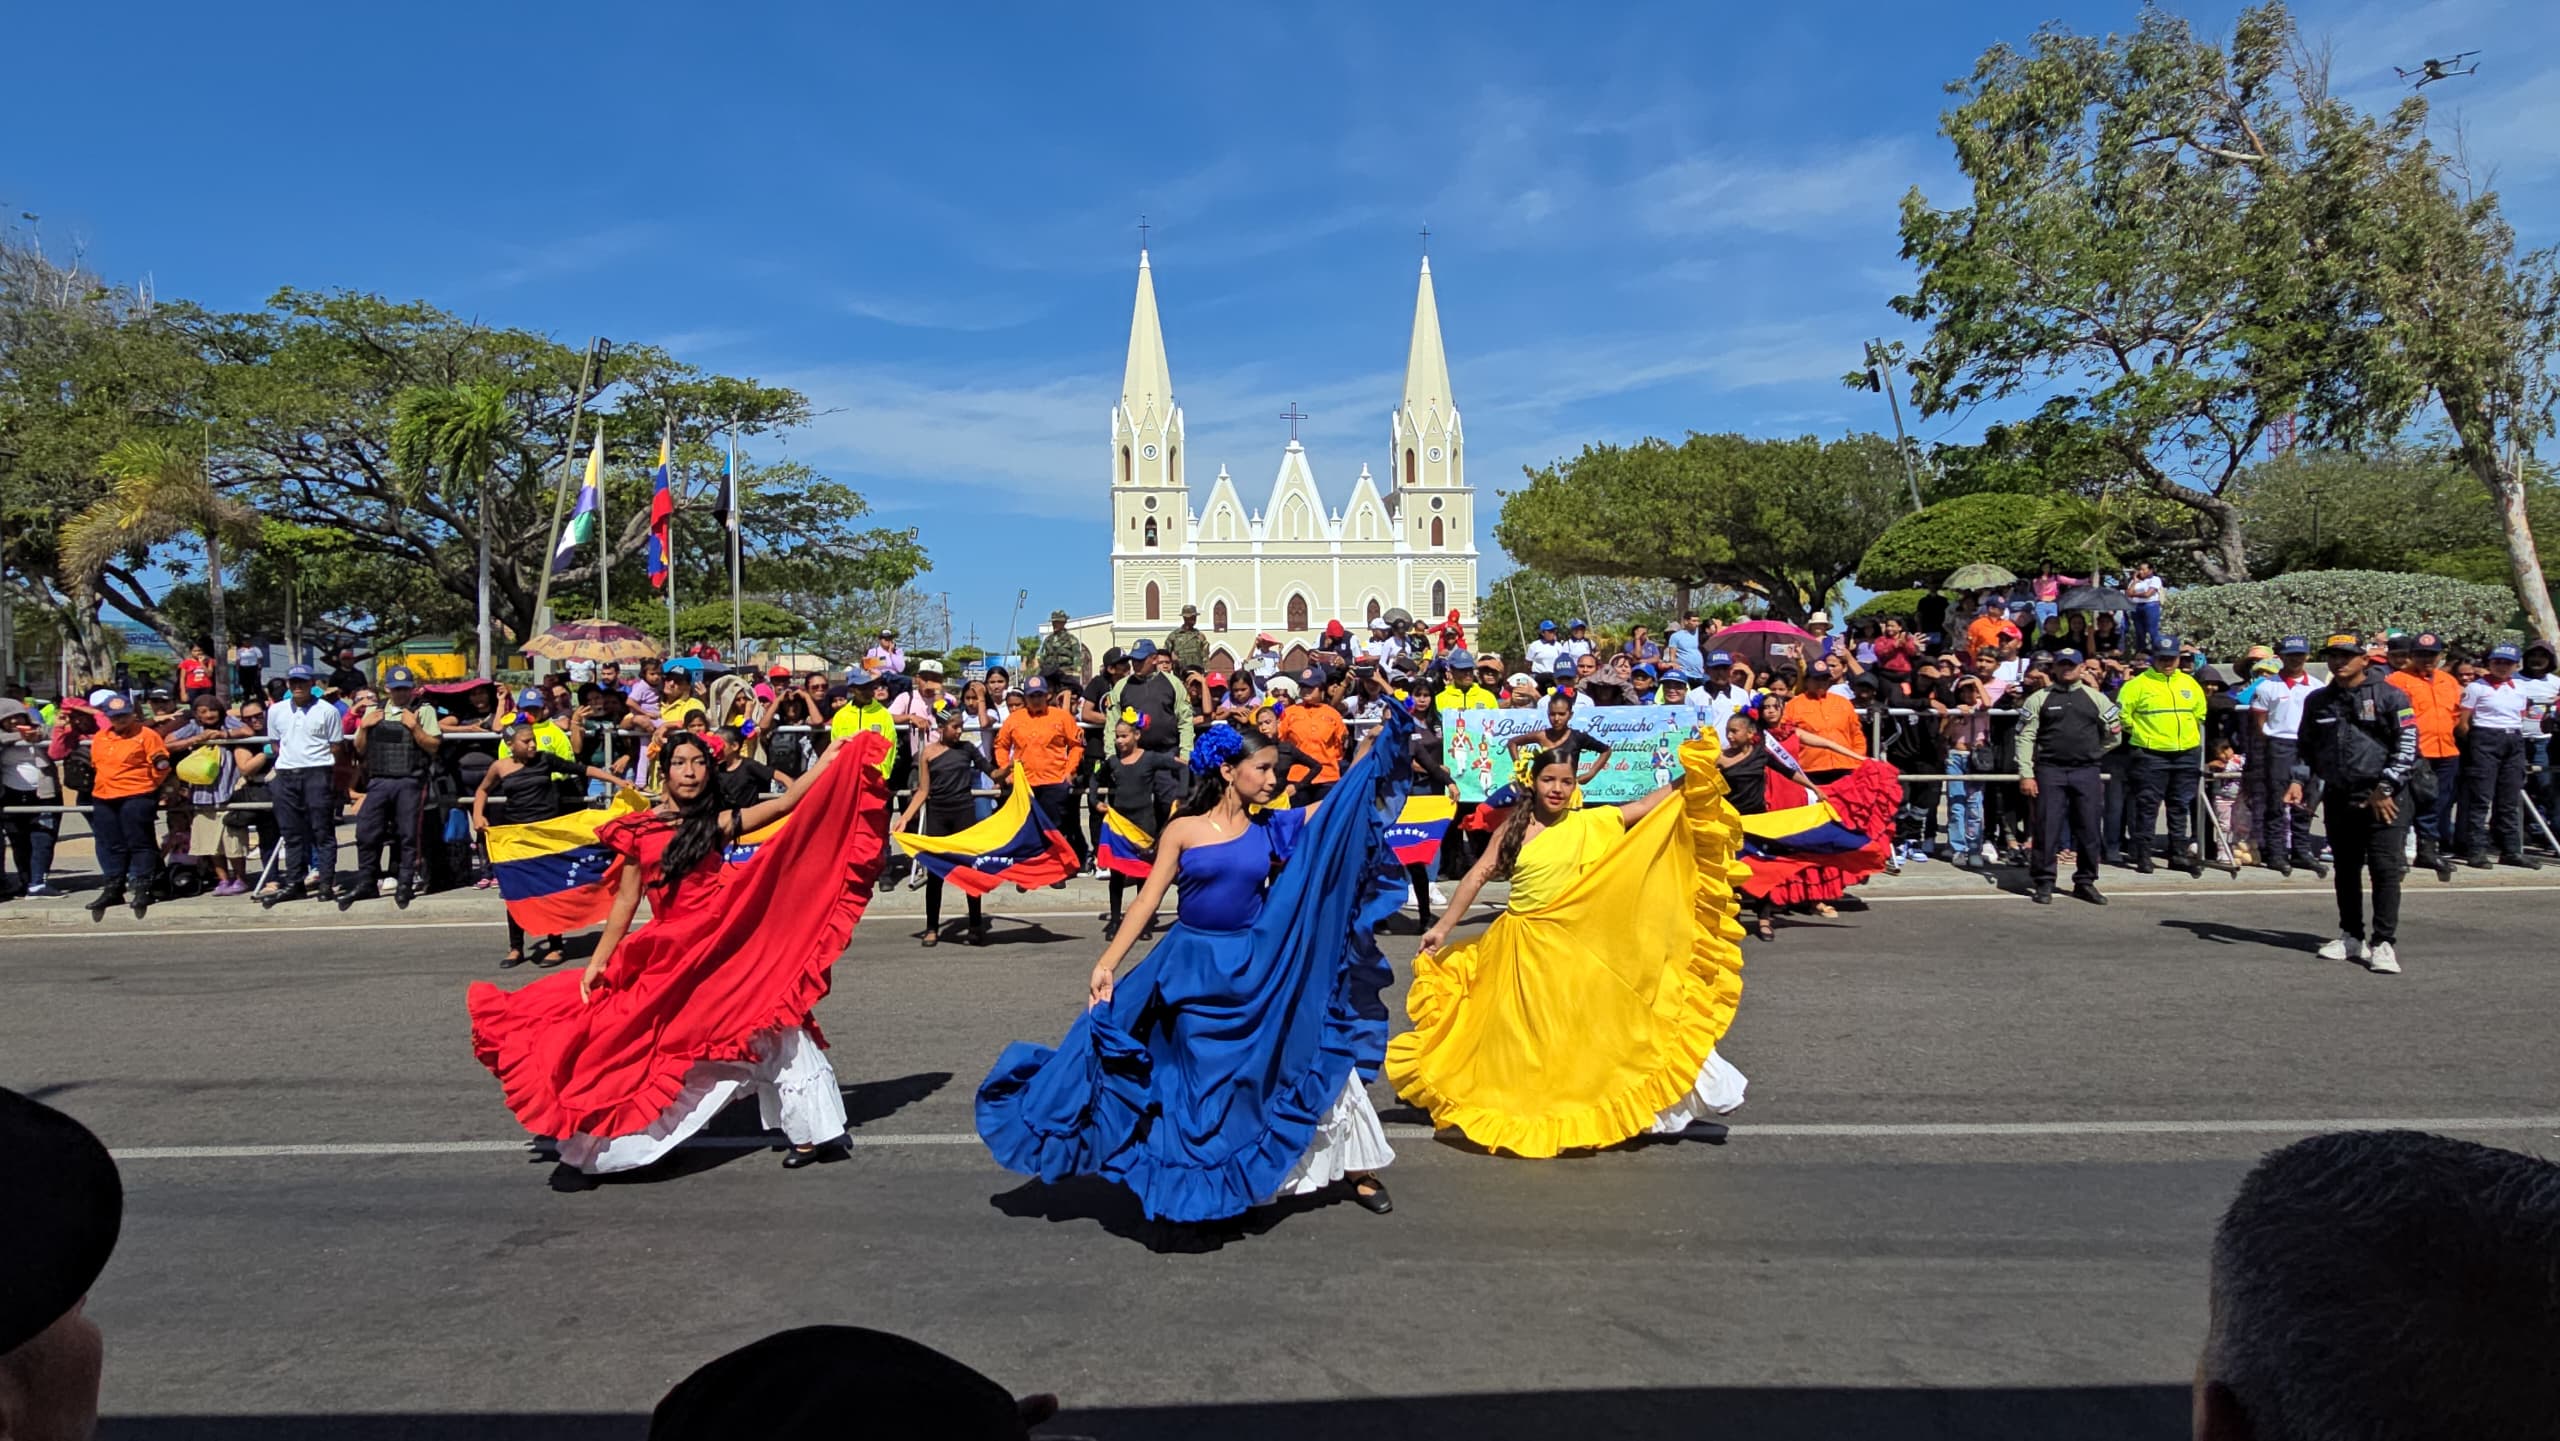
(739, 1131)
(1115, 1210)
(2223, 933)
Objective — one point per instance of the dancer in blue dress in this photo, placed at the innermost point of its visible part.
(1226, 1069)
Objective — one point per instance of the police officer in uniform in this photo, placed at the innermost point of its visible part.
(1190, 648)
(2064, 730)
(396, 741)
(2500, 710)
(2164, 726)
(1060, 653)
(2359, 742)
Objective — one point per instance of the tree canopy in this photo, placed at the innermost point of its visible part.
(1781, 522)
(373, 437)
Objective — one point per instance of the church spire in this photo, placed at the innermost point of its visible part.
(1146, 387)
(1426, 368)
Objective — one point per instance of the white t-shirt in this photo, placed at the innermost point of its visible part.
(2498, 706)
(2143, 588)
(1576, 649)
(1717, 709)
(2279, 704)
(1542, 656)
(2541, 697)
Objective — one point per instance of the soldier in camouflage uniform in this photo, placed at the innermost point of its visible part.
(1060, 653)
(1190, 648)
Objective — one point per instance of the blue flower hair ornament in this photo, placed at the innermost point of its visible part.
(1215, 747)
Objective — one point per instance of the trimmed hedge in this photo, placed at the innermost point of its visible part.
(1903, 603)
(1925, 546)
(2227, 619)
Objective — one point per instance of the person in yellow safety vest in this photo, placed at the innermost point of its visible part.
(862, 711)
(2163, 711)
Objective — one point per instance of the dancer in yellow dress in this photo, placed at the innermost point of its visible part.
(1589, 1012)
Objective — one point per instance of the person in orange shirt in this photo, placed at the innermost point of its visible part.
(1313, 728)
(131, 760)
(1050, 744)
(1820, 709)
(2437, 698)
(1990, 629)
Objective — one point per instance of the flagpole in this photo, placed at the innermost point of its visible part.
(568, 464)
(737, 637)
(604, 545)
(667, 547)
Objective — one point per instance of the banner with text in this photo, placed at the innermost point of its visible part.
(1644, 747)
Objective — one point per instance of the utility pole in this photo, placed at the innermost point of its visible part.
(1880, 368)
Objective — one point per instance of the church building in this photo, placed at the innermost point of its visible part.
(1291, 563)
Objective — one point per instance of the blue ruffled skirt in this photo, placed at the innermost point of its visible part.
(1209, 1073)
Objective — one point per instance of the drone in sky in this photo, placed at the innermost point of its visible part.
(2431, 71)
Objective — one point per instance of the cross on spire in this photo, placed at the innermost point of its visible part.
(1293, 415)
(1426, 237)
(1142, 232)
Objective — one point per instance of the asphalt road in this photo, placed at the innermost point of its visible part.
(1970, 1195)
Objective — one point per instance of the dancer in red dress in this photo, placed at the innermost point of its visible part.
(713, 997)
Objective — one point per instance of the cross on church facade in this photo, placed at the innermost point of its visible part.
(1293, 415)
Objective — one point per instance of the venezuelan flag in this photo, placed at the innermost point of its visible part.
(744, 848)
(1415, 833)
(554, 875)
(1126, 850)
(1018, 844)
(1813, 830)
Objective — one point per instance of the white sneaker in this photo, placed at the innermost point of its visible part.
(1438, 898)
(2382, 960)
(2344, 948)
(1991, 853)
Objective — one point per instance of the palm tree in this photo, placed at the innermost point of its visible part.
(158, 493)
(456, 430)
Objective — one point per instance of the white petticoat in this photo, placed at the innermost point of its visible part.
(795, 1090)
(1349, 1139)
(1719, 1091)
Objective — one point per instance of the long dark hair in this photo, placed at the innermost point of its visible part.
(1209, 782)
(697, 821)
(1515, 827)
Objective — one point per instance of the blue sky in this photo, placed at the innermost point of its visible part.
(925, 217)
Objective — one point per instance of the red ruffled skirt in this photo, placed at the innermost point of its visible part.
(741, 949)
(1867, 798)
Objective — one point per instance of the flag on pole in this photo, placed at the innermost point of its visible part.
(581, 529)
(724, 504)
(662, 514)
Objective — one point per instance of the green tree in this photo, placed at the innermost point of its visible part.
(759, 622)
(457, 431)
(1780, 522)
(2138, 245)
(1508, 615)
(2395, 510)
(158, 493)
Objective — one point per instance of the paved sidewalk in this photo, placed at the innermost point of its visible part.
(1924, 881)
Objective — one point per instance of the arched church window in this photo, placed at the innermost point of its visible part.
(1155, 602)
(1293, 520)
(1218, 616)
(1408, 466)
(1297, 612)
(1439, 599)
(1124, 464)
(1151, 531)
(1373, 608)
(1173, 465)
(1435, 533)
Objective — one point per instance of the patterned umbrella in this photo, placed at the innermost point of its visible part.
(1980, 575)
(591, 639)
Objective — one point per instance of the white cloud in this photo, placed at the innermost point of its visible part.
(1712, 192)
(569, 254)
(967, 315)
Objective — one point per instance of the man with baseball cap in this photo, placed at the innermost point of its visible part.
(2436, 697)
(307, 731)
(397, 739)
(1049, 745)
(61, 1206)
(862, 711)
(2164, 727)
(131, 760)
(1190, 648)
(2360, 744)
(1157, 696)
(2284, 825)
(2501, 716)
(2064, 731)
(1541, 652)
(1315, 730)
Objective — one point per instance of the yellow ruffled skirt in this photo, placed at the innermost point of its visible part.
(1578, 1022)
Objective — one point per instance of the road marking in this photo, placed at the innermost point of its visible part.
(1904, 1130)
(86, 933)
